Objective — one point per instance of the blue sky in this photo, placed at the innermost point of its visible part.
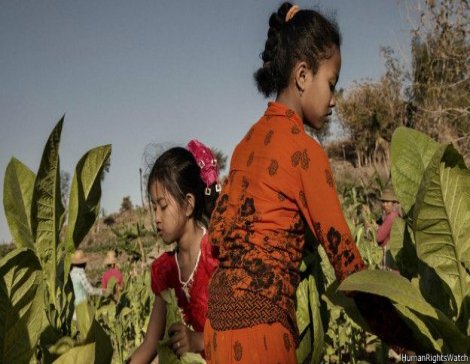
(131, 73)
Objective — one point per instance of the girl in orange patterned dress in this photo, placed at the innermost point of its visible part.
(279, 182)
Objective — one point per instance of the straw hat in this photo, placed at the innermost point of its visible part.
(388, 195)
(79, 257)
(110, 257)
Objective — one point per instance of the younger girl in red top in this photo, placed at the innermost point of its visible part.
(182, 186)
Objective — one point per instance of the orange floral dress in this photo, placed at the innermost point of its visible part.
(280, 180)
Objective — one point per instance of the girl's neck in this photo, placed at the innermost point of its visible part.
(190, 242)
(290, 98)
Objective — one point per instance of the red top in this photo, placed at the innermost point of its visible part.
(165, 275)
(383, 233)
(111, 272)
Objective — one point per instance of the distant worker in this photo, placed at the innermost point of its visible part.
(112, 271)
(391, 209)
(82, 288)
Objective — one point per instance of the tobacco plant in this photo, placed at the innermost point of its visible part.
(125, 319)
(327, 333)
(36, 295)
(431, 245)
(327, 320)
(431, 250)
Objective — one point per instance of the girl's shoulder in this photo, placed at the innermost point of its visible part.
(163, 271)
(205, 245)
(164, 262)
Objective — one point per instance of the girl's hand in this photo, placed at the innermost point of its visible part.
(183, 340)
(179, 339)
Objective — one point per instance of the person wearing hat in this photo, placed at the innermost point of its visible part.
(112, 271)
(391, 209)
(82, 287)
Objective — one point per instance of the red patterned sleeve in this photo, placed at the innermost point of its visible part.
(321, 207)
(160, 271)
(318, 200)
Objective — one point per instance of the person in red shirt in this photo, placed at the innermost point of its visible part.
(183, 185)
(111, 272)
(391, 209)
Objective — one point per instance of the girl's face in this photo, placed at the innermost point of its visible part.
(318, 97)
(170, 217)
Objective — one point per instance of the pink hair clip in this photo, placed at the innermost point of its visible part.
(208, 164)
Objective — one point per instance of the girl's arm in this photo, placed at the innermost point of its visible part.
(147, 351)
(320, 204)
(318, 200)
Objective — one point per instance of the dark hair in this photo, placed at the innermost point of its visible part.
(178, 172)
(308, 37)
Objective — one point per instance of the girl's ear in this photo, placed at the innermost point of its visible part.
(190, 203)
(300, 73)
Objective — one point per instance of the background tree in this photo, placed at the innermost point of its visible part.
(440, 85)
(323, 134)
(434, 96)
(371, 111)
(126, 204)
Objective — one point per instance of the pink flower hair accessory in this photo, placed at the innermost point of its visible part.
(207, 162)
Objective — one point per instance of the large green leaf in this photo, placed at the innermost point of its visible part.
(17, 194)
(446, 333)
(85, 315)
(403, 249)
(302, 313)
(84, 201)
(337, 298)
(21, 306)
(78, 354)
(396, 242)
(304, 349)
(420, 330)
(103, 347)
(95, 346)
(399, 290)
(442, 221)
(318, 332)
(312, 314)
(411, 152)
(390, 285)
(303, 321)
(47, 210)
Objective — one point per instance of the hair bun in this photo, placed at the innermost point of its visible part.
(266, 76)
(284, 10)
(294, 35)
